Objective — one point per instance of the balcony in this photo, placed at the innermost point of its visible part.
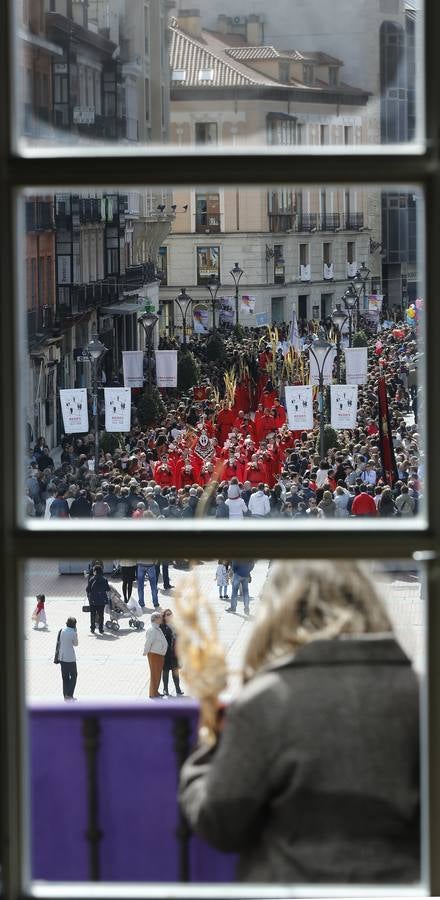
(39, 215)
(281, 222)
(116, 772)
(307, 222)
(354, 222)
(89, 211)
(329, 222)
(39, 322)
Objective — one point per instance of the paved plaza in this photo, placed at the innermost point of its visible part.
(111, 666)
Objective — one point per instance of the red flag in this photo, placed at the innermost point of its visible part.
(385, 437)
(199, 393)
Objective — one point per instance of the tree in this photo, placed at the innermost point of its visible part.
(111, 440)
(360, 339)
(188, 371)
(330, 440)
(150, 407)
(215, 348)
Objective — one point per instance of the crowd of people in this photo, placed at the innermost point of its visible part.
(227, 451)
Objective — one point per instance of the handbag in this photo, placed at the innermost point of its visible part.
(86, 608)
(56, 658)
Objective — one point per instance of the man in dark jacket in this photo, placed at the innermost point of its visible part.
(81, 507)
(97, 592)
(241, 573)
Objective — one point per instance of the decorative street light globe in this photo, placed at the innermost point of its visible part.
(95, 348)
(339, 317)
(350, 297)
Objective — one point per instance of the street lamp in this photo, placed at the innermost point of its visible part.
(184, 302)
(350, 300)
(339, 318)
(320, 350)
(95, 351)
(213, 286)
(236, 273)
(148, 321)
(360, 281)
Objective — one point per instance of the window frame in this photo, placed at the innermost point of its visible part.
(411, 166)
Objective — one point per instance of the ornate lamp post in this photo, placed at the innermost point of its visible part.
(148, 322)
(339, 318)
(360, 282)
(95, 351)
(184, 302)
(236, 273)
(320, 350)
(350, 300)
(213, 286)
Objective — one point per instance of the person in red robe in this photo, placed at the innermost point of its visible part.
(280, 413)
(225, 421)
(163, 474)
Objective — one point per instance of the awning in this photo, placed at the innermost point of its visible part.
(123, 309)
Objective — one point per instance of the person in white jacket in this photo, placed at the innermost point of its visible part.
(67, 657)
(259, 503)
(155, 647)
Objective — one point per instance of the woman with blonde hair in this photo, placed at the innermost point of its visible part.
(315, 774)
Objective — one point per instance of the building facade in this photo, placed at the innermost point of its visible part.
(298, 249)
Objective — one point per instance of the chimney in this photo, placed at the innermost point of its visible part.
(222, 24)
(254, 30)
(189, 21)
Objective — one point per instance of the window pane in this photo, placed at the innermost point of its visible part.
(348, 724)
(203, 79)
(195, 411)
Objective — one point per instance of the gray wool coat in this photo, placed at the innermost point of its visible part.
(316, 774)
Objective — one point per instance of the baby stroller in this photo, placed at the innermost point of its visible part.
(116, 609)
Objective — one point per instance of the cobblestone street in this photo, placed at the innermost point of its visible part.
(111, 666)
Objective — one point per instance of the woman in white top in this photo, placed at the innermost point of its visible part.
(235, 503)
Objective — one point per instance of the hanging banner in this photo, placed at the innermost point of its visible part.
(328, 368)
(247, 303)
(117, 409)
(356, 365)
(387, 456)
(133, 366)
(201, 320)
(74, 410)
(344, 398)
(166, 368)
(299, 406)
(226, 314)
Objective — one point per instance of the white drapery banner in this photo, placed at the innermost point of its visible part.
(74, 410)
(344, 399)
(356, 365)
(299, 406)
(166, 368)
(117, 409)
(133, 365)
(328, 368)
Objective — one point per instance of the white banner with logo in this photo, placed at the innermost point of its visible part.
(74, 410)
(247, 303)
(344, 398)
(299, 406)
(166, 368)
(201, 319)
(356, 365)
(328, 368)
(133, 365)
(117, 409)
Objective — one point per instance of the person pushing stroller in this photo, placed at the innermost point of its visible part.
(98, 593)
